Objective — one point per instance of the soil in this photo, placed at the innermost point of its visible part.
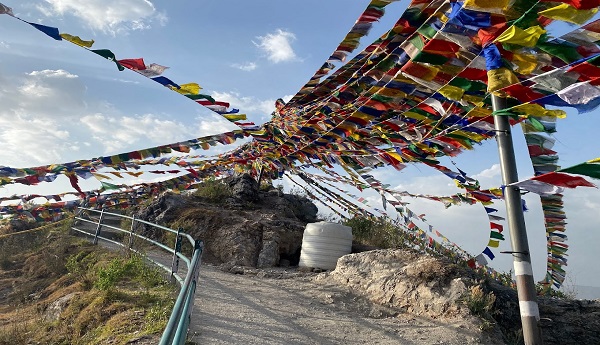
(285, 306)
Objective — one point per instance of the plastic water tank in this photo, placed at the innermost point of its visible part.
(323, 243)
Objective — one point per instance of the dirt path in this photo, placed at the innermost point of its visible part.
(293, 309)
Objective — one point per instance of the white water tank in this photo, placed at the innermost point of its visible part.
(323, 243)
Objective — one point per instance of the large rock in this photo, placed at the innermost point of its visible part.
(424, 285)
(421, 285)
(244, 188)
(252, 228)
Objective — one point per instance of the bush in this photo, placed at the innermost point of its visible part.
(378, 232)
(480, 303)
(213, 191)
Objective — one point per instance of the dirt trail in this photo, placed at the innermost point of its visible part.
(295, 309)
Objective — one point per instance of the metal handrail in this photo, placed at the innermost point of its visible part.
(177, 327)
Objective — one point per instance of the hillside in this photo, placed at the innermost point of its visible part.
(252, 231)
(57, 291)
(56, 288)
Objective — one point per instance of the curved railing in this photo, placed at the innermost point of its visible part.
(179, 321)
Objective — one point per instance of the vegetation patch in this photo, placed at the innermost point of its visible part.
(61, 290)
(213, 190)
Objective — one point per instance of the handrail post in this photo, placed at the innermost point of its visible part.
(131, 231)
(99, 226)
(177, 249)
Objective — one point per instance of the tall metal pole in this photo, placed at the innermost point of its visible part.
(530, 315)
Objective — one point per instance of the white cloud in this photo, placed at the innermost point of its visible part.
(121, 132)
(47, 118)
(111, 16)
(493, 171)
(4, 45)
(48, 73)
(277, 46)
(247, 66)
(247, 105)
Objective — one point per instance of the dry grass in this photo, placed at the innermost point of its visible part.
(132, 305)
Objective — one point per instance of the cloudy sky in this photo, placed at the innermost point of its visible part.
(59, 102)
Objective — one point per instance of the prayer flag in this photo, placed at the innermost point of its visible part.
(587, 169)
(6, 10)
(487, 251)
(563, 180)
(188, 89)
(496, 235)
(153, 70)
(48, 30)
(107, 54)
(496, 226)
(134, 64)
(569, 14)
(525, 38)
(77, 40)
(481, 260)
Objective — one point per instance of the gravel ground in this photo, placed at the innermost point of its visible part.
(287, 307)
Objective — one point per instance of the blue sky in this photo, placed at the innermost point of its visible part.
(59, 102)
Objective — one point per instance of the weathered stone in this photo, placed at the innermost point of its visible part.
(53, 311)
(244, 188)
(253, 228)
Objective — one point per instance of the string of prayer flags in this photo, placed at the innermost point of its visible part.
(152, 71)
(539, 146)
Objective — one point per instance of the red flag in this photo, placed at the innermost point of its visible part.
(134, 64)
(496, 226)
(564, 180)
(73, 179)
(536, 150)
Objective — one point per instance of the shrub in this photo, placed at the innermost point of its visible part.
(378, 232)
(213, 190)
(480, 303)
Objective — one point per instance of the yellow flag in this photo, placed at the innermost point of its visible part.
(500, 78)
(569, 14)
(479, 112)
(493, 244)
(77, 40)
(494, 6)
(234, 117)
(452, 92)
(475, 100)
(101, 176)
(525, 38)
(188, 89)
(538, 110)
(526, 63)
(595, 160)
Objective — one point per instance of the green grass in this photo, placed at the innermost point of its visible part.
(113, 298)
(213, 190)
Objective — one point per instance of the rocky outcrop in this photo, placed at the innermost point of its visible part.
(249, 227)
(420, 285)
(423, 285)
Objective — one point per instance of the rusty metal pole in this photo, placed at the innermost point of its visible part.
(530, 315)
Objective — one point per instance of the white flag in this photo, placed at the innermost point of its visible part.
(6, 10)
(538, 187)
(152, 70)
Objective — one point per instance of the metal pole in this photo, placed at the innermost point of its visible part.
(176, 249)
(131, 231)
(530, 315)
(99, 227)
